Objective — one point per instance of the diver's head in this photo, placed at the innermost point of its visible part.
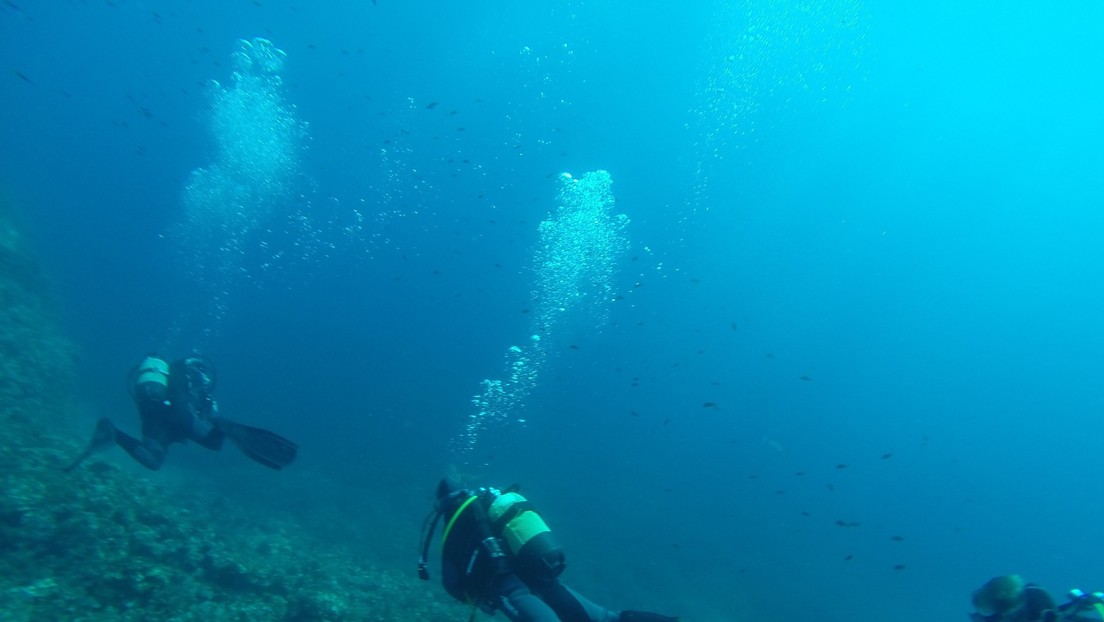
(151, 380)
(446, 487)
(1001, 599)
(447, 490)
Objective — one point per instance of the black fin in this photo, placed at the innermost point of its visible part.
(267, 448)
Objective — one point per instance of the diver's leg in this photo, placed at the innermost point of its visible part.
(517, 603)
(102, 438)
(148, 452)
(571, 606)
(644, 616)
(206, 434)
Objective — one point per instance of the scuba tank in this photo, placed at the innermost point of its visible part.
(528, 537)
(149, 380)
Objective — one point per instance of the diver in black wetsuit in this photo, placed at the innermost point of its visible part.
(498, 554)
(1009, 598)
(175, 405)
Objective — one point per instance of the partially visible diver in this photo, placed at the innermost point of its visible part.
(1009, 598)
(498, 554)
(175, 405)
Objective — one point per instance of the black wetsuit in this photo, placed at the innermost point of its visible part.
(188, 413)
(478, 569)
(1040, 604)
(175, 405)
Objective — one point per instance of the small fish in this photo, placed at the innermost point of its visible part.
(886, 456)
(900, 567)
(633, 413)
(897, 538)
(23, 77)
(734, 326)
(841, 466)
(431, 105)
(711, 405)
(848, 558)
(573, 347)
(770, 355)
(805, 378)
(806, 514)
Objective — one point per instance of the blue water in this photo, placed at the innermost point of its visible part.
(868, 234)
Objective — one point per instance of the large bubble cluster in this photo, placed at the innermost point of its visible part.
(768, 55)
(576, 255)
(574, 265)
(255, 170)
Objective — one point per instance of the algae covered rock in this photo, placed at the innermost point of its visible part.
(35, 358)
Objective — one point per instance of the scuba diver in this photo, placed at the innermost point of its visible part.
(497, 554)
(175, 405)
(1009, 598)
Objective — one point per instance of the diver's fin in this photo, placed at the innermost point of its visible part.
(268, 448)
(102, 438)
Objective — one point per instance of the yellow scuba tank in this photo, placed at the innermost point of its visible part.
(526, 534)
